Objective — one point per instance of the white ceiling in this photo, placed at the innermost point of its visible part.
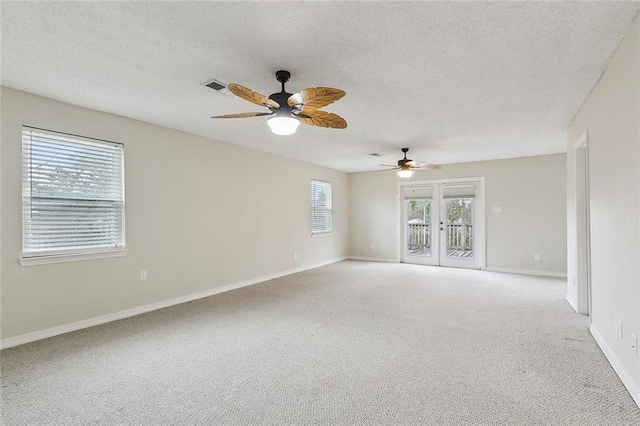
(453, 81)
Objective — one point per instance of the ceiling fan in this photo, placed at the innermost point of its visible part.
(406, 166)
(289, 110)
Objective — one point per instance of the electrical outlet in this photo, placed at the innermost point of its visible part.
(143, 274)
(373, 247)
(536, 256)
(296, 255)
(634, 344)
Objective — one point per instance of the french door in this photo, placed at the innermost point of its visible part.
(441, 224)
(420, 242)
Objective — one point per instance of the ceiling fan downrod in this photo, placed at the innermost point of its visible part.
(283, 76)
(281, 97)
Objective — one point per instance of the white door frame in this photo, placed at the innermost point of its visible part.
(582, 272)
(480, 245)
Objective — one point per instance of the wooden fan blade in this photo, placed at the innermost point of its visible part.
(425, 166)
(251, 96)
(243, 115)
(389, 165)
(315, 97)
(322, 119)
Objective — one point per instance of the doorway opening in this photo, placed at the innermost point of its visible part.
(580, 294)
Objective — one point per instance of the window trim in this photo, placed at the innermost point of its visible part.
(75, 254)
(326, 231)
(70, 257)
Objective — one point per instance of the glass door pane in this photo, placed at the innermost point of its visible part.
(459, 228)
(418, 227)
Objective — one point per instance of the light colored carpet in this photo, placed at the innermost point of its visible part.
(346, 344)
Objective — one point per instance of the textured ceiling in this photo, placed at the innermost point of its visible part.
(453, 81)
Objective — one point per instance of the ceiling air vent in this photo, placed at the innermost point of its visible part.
(218, 87)
(215, 85)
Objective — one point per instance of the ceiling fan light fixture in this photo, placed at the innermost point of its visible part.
(283, 126)
(405, 173)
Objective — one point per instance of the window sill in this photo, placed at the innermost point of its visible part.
(60, 258)
(321, 234)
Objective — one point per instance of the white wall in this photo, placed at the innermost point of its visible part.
(200, 215)
(530, 190)
(611, 116)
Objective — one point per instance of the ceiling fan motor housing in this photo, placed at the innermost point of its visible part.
(282, 97)
(405, 159)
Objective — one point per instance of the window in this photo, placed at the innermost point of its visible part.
(72, 194)
(320, 207)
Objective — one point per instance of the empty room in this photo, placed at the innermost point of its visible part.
(310, 212)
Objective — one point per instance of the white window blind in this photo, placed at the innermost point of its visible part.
(72, 194)
(320, 206)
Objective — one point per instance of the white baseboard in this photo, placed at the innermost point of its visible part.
(626, 378)
(373, 259)
(504, 270)
(528, 272)
(572, 303)
(102, 319)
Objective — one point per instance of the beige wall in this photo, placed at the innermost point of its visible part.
(200, 214)
(611, 116)
(530, 190)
